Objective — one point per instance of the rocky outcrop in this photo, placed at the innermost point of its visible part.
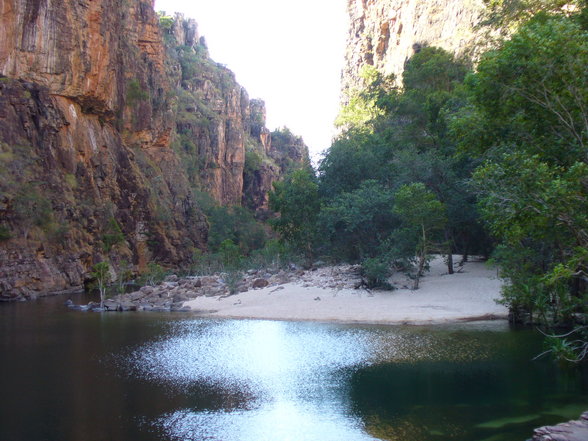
(110, 118)
(385, 33)
(212, 114)
(171, 294)
(570, 431)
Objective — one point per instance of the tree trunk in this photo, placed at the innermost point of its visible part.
(421, 266)
(422, 260)
(449, 251)
(102, 290)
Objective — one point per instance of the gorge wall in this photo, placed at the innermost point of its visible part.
(383, 33)
(111, 118)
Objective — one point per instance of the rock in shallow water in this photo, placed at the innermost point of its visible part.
(570, 431)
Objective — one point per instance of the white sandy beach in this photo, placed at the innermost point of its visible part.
(466, 295)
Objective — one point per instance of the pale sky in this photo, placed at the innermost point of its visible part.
(288, 53)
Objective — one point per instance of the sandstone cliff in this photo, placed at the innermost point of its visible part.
(219, 128)
(383, 33)
(110, 118)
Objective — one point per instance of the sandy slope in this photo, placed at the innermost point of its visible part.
(468, 294)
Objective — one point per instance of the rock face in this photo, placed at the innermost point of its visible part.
(110, 118)
(280, 152)
(221, 132)
(383, 33)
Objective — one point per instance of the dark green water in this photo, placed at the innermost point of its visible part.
(127, 376)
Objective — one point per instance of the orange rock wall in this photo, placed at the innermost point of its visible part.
(109, 121)
(87, 116)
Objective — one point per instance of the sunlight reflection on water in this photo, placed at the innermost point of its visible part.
(277, 380)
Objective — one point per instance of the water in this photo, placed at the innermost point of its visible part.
(129, 376)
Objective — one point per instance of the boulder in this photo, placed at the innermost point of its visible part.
(111, 305)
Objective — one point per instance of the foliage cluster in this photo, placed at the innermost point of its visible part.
(529, 101)
(391, 188)
(235, 224)
(111, 235)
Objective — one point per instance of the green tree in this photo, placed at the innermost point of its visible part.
(101, 275)
(507, 15)
(296, 200)
(528, 117)
(363, 106)
(124, 274)
(229, 254)
(422, 215)
(408, 140)
(356, 223)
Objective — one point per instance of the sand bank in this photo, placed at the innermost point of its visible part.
(469, 294)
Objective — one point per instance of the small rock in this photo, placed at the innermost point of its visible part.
(208, 280)
(147, 290)
(260, 283)
(127, 306)
(134, 296)
(180, 297)
(176, 306)
(160, 308)
(171, 278)
(111, 305)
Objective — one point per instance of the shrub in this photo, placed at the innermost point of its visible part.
(71, 181)
(165, 21)
(229, 254)
(252, 162)
(154, 275)
(232, 279)
(112, 235)
(5, 233)
(135, 92)
(375, 272)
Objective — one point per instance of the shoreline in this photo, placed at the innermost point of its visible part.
(464, 297)
(498, 321)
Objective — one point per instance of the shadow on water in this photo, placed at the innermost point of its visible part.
(88, 376)
(500, 396)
